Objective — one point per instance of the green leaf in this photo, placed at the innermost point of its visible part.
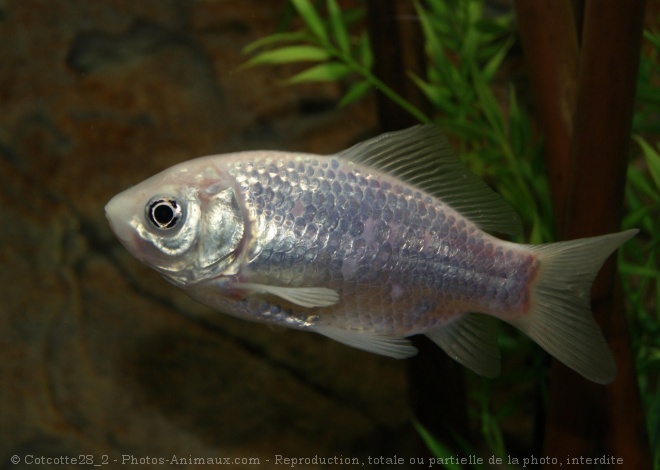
(288, 54)
(353, 16)
(338, 27)
(639, 270)
(311, 18)
(492, 433)
(355, 92)
(493, 27)
(493, 65)
(648, 93)
(638, 218)
(653, 38)
(518, 130)
(366, 56)
(642, 183)
(652, 158)
(470, 43)
(438, 96)
(274, 38)
(433, 45)
(330, 71)
(489, 104)
(437, 448)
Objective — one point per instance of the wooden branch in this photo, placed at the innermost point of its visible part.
(584, 419)
(549, 37)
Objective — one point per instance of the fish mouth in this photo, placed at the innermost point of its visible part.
(120, 219)
(120, 211)
(116, 216)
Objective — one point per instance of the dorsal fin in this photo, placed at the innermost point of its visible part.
(422, 156)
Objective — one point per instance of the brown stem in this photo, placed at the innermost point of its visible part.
(549, 38)
(587, 160)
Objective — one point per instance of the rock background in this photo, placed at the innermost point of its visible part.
(98, 355)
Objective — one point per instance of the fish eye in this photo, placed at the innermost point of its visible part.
(164, 213)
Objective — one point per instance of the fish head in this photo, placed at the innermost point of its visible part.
(185, 222)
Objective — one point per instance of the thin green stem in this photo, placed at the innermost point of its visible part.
(394, 96)
(376, 82)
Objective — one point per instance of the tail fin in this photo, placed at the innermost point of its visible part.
(560, 318)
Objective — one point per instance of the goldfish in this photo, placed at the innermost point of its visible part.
(391, 238)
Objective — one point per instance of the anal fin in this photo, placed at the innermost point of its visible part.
(397, 348)
(471, 340)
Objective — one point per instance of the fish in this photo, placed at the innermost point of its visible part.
(391, 238)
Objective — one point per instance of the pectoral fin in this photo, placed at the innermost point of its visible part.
(398, 348)
(309, 297)
(472, 341)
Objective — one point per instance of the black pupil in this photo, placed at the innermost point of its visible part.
(164, 213)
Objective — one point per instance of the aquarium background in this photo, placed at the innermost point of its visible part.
(99, 355)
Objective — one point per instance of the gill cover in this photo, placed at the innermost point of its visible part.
(222, 231)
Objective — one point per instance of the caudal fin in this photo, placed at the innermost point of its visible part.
(560, 318)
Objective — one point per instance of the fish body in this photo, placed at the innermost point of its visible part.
(383, 241)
